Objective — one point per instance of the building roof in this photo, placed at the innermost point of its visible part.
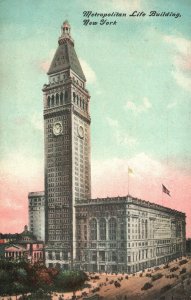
(65, 57)
(127, 200)
(36, 194)
(15, 247)
(9, 235)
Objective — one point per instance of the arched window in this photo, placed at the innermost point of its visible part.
(74, 97)
(77, 99)
(112, 229)
(83, 103)
(80, 102)
(52, 100)
(93, 229)
(48, 101)
(57, 99)
(61, 98)
(102, 229)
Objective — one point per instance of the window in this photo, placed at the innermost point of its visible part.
(57, 99)
(102, 229)
(122, 231)
(113, 256)
(93, 229)
(112, 229)
(102, 256)
(74, 97)
(61, 98)
(146, 229)
(57, 255)
(48, 101)
(94, 255)
(50, 255)
(52, 100)
(66, 95)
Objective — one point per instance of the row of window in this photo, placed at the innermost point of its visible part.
(57, 99)
(112, 229)
(62, 98)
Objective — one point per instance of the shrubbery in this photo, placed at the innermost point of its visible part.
(117, 284)
(147, 286)
(174, 269)
(183, 262)
(165, 288)
(166, 266)
(156, 276)
(183, 271)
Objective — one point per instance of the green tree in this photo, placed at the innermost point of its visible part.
(70, 279)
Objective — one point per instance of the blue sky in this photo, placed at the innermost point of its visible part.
(138, 75)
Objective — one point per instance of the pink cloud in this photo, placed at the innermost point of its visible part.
(14, 201)
(44, 66)
(184, 62)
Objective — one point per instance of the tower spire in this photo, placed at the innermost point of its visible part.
(65, 57)
(65, 33)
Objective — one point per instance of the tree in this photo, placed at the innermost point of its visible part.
(70, 279)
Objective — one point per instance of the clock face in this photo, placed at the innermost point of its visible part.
(81, 132)
(57, 128)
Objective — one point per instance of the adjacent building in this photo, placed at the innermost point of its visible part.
(36, 207)
(126, 234)
(25, 246)
(120, 234)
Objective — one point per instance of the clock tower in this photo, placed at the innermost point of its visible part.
(67, 150)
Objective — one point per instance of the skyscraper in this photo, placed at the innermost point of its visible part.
(67, 148)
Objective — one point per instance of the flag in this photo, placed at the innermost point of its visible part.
(130, 171)
(165, 190)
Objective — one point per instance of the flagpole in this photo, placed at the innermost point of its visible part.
(128, 181)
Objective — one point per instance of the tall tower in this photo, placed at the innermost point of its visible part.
(67, 149)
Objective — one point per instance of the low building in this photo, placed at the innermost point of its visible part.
(33, 251)
(36, 207)
(125, 234)
(25, 246)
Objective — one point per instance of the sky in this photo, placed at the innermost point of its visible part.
(138, 75)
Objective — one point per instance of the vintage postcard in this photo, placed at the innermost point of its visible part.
(95, 149)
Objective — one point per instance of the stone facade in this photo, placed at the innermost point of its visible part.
(36, 205)
(125, 234)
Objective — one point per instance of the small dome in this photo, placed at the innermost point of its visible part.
(66, 24)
